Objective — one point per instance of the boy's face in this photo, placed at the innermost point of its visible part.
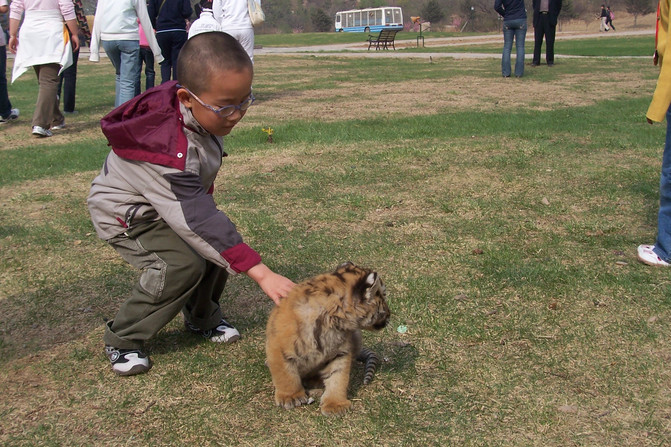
(231, 88)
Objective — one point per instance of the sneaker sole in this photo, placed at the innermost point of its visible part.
(654, 263)
(137, 369)
(231, 339)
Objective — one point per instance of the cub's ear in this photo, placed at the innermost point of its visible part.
(372, 286)
(345, 264)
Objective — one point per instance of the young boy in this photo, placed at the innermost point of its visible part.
(153, 201)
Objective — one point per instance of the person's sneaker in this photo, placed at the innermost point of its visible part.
(59, 126)
(647, 256)
(13, 114)
(128, 362)
(223, 333)
(41, 132)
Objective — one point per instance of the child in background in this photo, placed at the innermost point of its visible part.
(153, 202)
(146, 57)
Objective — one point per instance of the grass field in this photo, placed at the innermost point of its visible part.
(502, 214)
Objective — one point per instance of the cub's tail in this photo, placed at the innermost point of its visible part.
(370, 364)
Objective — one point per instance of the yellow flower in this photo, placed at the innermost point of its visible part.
(267, 130)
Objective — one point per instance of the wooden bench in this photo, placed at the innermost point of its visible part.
(383, 40)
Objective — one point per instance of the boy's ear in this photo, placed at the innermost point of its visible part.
(184, 97)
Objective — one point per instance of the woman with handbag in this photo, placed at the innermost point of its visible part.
(233, 15)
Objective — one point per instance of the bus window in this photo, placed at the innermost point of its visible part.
(397, 15)
(387, 16)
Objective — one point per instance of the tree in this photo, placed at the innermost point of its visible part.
(321, 22)
(432, 12)
(639, 8)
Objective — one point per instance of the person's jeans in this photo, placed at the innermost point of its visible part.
(5, 104)
(517, 29)
(125, 56)
(146, 57)
(663, 242)
(171, 43)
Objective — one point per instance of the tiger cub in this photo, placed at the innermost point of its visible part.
(315, 334)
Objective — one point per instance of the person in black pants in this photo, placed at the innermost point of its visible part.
(169, 18)
(545, 23)
(67, 82)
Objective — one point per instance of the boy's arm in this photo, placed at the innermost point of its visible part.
(192, 213)
(274, 285)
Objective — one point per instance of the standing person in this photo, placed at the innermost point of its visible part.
(234, 18)
(546, 13)
(514, 26)
(603, 25)
(68, 79)
(169, 18)
(609, 19)
(660, 253)
(116, 25)
(7, 113)
(153, 203)
(146, 57)
(41, 44)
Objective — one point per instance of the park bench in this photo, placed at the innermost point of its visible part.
(383, 40)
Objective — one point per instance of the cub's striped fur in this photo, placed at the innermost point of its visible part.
(314, 334)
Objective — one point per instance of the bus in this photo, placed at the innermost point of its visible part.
(369, 19)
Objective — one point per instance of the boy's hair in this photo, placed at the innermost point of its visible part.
(204, 56)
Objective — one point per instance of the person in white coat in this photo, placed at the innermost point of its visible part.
(40, 42)
(233, 15)
(116, 25)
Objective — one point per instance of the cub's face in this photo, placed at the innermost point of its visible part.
(368, 295)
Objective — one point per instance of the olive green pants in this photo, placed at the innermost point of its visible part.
(173, 278)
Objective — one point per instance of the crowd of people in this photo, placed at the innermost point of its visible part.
(132, 33)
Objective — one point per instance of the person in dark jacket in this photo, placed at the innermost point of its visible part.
(514, 26)
(546, 13)
(170, 20)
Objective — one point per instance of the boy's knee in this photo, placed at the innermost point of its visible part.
(188, 269)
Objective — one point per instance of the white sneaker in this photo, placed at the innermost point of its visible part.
(647, 256)
(13, 114)
(128, 362)
(41, 132)
(222, 333)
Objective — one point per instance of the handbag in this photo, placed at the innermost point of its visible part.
(256, 14)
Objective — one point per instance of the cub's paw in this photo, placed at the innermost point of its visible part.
(331, 408)
(289, 401)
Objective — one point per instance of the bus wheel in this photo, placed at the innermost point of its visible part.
(340, 30)
(366, 30)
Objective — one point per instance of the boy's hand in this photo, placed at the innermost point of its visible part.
(274, 285)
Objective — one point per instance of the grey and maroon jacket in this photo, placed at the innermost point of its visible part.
(162, 166)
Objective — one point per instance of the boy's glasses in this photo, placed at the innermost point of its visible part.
(224, 111)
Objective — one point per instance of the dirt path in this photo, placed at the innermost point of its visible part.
(361, 49)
